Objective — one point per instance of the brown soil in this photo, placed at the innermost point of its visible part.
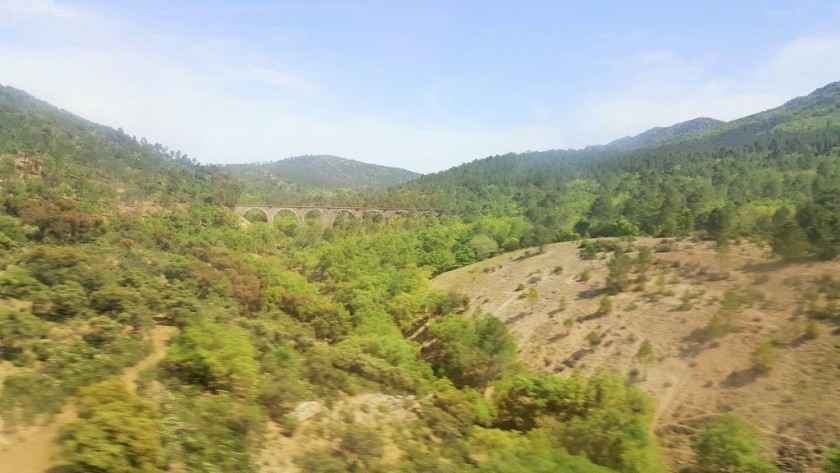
(796, 404)
(33, 449)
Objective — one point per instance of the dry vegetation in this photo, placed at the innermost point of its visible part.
(706, 332)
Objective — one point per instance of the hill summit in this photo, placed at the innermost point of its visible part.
(324, 171)
(659, 134)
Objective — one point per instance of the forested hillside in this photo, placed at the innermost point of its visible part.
(304, 179)
(659, 135)
(328, 344)
(774, 175)
(71, 157)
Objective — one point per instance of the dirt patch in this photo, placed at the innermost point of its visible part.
(316, 424)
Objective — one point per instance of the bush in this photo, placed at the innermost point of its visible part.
(832, 461)
(730, 444)
(116, 432)
(645, 352)
(605, 305)
(765, 356)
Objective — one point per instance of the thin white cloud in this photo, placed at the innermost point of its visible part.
(273, 77)
(805, 63)
(662, 88)
(40, 9)
(194, 94)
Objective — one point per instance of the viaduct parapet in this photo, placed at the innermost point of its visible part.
(327, 215)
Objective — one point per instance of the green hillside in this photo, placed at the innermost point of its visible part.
(660, 135)
(189, 339)
(74, 158)
(314, 177)
(727, 180)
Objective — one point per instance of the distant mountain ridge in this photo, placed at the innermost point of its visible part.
(813, 119)
(323, 171)
(659, 135)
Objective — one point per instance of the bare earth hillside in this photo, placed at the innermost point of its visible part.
(776, 365)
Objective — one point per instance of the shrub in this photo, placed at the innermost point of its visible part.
(645, 353)
(605, 305)
(730, 444)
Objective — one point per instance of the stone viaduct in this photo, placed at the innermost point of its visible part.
(327, 215)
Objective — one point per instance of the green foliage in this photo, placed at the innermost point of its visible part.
(469, 352)
(730, 444)
(13, 232)
(20, 331)
(618, 278)
(765, 356)
(215, 357)
(722, 321)
(208, 433)
(531, 295)
(584, 275)
(644, 260)
(361, 446)
(600, 418)
(605, 305)
(832, 461)
(483, 246)
(645, 353)
(320, 460)
(116, 432)
(59, 220)
(686, 301)
(497, 451)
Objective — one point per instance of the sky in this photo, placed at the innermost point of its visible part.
(423, 85)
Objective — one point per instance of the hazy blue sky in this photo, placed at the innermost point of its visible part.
(423, 85)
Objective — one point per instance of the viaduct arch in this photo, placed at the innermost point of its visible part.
(328, 214)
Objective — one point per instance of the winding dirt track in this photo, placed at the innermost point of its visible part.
(34, 449)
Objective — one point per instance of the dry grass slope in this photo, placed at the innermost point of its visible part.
(774, 365)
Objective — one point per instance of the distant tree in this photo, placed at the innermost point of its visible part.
(719, 225)
(602, 208)
(483, 246)
(789, 240)
(644, 261)
(618, 278)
